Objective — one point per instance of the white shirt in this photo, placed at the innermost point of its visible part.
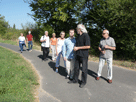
(21, 38)
(60, 44)
(46, 43)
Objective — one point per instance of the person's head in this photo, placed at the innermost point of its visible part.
(71, 32)
(46, 33)
(62, 34)
(53, 35)
(29, 32)
(21, 34)
(105, 33)
(81, 29)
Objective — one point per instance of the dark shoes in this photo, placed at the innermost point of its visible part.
(44, 59)
(81, 85)
(72, 82)
(109, 81)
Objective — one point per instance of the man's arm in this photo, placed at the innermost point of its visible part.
(109, 47)
(81, 48)
(87, 44)
(42, 40)
(103, 52)
(64, 51)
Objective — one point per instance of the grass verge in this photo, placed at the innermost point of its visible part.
(17, 79)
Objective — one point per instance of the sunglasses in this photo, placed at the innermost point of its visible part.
(103, 33)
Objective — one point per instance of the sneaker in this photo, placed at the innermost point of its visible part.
(30, 50)
(67, 77)
(56, 71)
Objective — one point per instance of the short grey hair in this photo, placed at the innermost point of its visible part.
(46, 31)
(29, 31)
(107, 31)
(82, 27)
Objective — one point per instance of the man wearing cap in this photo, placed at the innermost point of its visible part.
(29, 41)
(106, 47)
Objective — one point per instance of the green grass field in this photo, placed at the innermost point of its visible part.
(17, 79)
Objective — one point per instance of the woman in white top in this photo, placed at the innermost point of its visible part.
(59, 44)
(22, 42)
(45, 45)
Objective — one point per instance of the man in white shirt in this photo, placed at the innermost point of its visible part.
(45, 45)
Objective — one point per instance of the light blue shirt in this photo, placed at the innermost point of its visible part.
(68, 46)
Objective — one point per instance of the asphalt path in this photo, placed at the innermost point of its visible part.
(54, 86)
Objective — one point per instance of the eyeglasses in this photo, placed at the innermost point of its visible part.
(103, 33)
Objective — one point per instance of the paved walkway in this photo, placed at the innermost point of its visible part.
(54, 86)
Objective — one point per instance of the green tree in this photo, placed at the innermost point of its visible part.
(3, 26)
(118, 16)
(58, 14)
(14, 26)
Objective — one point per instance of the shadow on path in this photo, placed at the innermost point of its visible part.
(61, 70)
(41, 57)
(93, 74)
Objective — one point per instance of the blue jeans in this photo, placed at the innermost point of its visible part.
(30, 45)
(58, 60)
(21, 45)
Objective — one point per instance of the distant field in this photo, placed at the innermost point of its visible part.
(17, 79)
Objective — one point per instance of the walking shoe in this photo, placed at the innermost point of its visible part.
(97, 78)
(30, 50)
(67, 77)
(81, 85)
(45, 59)
(109, 81)
(56, 71)
(72, 82)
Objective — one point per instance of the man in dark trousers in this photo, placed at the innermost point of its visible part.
(82, 47)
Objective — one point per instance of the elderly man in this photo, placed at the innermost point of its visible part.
(106, 47)
(82, 47)
(45, 45)
(29, 40)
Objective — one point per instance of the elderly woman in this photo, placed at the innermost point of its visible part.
(22, 42)
(53, 46)
(59, 44)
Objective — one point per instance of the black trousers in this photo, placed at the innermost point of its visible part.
(78, 61)
(45, 52)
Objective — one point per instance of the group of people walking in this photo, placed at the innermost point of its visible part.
(22, 41)
(75, 51)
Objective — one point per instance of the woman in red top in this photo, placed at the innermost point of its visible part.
(53, 46)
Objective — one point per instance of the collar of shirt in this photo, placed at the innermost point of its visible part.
(71, 38)
(107, 38)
